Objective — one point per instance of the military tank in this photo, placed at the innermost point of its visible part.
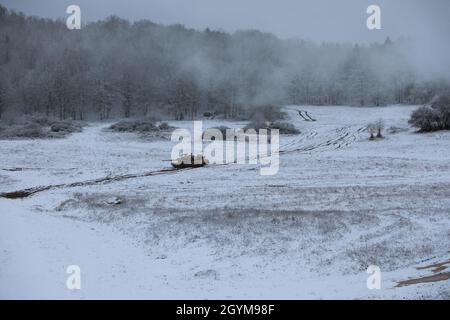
(190, 161)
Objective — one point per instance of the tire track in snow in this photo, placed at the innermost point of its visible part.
(24, 193)
(345, 138)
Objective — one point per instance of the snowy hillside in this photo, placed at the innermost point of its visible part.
(338, 204)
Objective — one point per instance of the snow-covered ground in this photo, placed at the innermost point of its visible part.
(338, 204)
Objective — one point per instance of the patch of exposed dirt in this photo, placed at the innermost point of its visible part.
(434, 278)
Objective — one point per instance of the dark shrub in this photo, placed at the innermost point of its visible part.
(134, 126)
(442, 105)
(164, 126)
(284, 127)
(39, 127)
(29, 130)
(65, 127)
(435, 117)
(257, 125)
(377, 128)
(426, 119)
(222, 129)
(145, 126)
(123, 126)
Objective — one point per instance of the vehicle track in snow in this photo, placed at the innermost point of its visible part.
(336, 139)
(299, 139)
(305, 115)
(341, 137)
(24, 193)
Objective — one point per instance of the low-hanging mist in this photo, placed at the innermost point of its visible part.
(114, 68)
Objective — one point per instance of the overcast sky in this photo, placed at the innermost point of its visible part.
(320, 20)
(427, 22)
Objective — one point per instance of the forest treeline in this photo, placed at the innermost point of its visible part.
(114, 68)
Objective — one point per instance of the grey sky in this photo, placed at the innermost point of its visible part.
(320, 20)
(426, 22)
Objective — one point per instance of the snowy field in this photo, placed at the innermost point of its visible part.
(338, 204)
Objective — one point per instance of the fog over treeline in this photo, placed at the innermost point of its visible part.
(114, 68)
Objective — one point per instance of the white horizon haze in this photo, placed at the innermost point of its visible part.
(426, 22)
